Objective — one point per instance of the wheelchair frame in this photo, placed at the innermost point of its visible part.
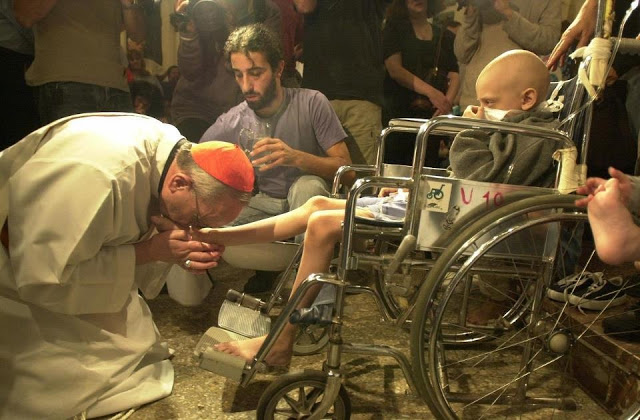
(458, 254)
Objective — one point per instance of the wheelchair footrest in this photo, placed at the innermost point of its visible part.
(216, 361)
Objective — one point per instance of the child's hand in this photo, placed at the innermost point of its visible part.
(385, 192)
(390, 192)
(474, 111)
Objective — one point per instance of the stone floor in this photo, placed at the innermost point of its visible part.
(376, 386)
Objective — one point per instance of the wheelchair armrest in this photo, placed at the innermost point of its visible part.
(343, 170)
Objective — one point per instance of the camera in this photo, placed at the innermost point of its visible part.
(206, 15)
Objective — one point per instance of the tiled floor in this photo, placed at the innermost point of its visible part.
(375, 385)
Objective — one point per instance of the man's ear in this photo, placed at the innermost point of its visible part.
(529, 99)
(180, 181)
(280, 69)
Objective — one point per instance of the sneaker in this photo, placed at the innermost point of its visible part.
(633, 285)
(625, 326)
(576, 284)
(589, 291)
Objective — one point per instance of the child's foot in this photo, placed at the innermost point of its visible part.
(612, 225)
(247, 349)
(486, 311)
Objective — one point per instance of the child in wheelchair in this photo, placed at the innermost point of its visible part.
(512, 87)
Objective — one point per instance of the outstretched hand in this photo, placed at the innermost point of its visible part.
(581, 31)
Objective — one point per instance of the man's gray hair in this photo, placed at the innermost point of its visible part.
(206, 186)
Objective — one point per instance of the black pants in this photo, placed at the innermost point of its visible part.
(21, 114)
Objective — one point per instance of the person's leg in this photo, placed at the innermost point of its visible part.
(496, 295)
(279, 227)
(617, 238)
(21, 116)
(362, 121)
(260, 207)
(302, 190)
(323, 232)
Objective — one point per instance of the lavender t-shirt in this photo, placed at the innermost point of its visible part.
(306, 122)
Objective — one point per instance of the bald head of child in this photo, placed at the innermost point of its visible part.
(515, 80)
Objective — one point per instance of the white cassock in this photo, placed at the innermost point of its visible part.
(75, 334)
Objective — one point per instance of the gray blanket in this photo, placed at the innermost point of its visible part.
(506, 158)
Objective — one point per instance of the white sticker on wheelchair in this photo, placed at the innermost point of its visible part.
(438, 197)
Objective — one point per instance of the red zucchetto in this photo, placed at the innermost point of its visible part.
(226, 162)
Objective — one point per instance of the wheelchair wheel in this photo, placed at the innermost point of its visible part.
(522, 361)
(296, 395)
(398, 292)
(311, 339)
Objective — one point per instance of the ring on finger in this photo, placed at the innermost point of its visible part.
(187, 263)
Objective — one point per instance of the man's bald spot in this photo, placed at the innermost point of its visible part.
(520, 70)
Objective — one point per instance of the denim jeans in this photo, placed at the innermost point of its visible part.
(61, 99)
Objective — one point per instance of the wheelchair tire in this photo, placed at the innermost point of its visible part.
(295, 395)
(521, 363)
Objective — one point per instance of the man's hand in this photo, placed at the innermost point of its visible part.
(175, 245)
(503, 7)
(594, 185)
(181, 5)
(276, 153)
(580, 30)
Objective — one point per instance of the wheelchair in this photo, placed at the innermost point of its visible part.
(458, 236)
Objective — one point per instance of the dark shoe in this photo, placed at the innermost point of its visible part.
(633, 285)
(589, 291)
(261, 282)
(601, 294)
(625, 326)
(576, 284)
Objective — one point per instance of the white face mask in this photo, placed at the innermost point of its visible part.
(495, 114)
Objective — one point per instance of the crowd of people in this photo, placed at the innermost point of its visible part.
(235, 146)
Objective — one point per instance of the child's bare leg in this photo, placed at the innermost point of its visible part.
(617, 238)
(323, 232)
(282, 226)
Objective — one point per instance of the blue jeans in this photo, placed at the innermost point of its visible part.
(61, 99)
